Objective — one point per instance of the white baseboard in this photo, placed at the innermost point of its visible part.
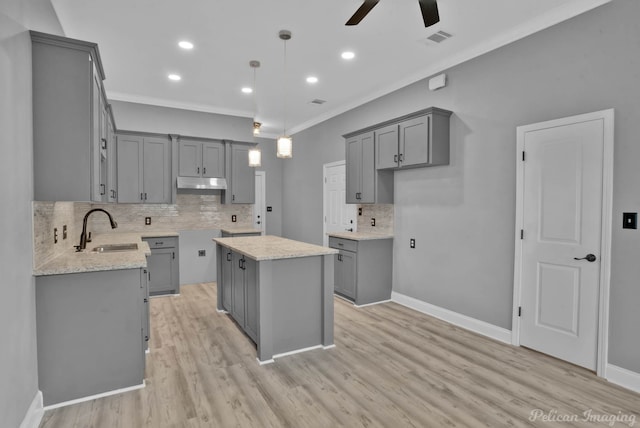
(481, 327)
(93, 397)
(623, 377)
(34, 414)
(371, 304)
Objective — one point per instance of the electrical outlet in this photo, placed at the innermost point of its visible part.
(147, 221)
(373, 221)
(269, 209)
(359, 211)
(64, 231)
(234, 218)
(412, 243)
(202, 253)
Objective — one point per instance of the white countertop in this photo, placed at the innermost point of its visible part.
(359, 236)
(270, 247)
(88, 261)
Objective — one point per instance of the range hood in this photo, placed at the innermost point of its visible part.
(198, 183)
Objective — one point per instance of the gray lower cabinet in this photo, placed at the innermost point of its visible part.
(227, 277)
(363, 269)
(90, 335)
(146, 318)
(163, 265)
(144, 169)
(243, 293)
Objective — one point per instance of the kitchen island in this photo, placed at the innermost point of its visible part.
(279, 291)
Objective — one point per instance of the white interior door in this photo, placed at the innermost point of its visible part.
(259, 209)
(338, 215)
(562, 206)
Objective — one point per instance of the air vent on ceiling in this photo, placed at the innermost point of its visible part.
(318, 101)
(439, 37)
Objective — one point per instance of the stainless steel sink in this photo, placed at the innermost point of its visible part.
(111, 248)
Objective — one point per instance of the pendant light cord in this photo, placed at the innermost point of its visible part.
(284, 91)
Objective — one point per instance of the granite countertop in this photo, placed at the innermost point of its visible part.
(88, 261)
(360, 236)
(240, 229)
(270, 247)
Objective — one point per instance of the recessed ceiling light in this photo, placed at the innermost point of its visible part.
(185, 45)
(312, 79)
(174, 77)
(247, 90)
(348, 55)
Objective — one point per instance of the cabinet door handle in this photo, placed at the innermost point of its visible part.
(159, 243)
(146, 338)
(104, 189)
(239, 263)
(104, 143)
(145, 300)
(228, 257)
(401, 158)
(233, 197)
(198, 170)
(142, 196)
(149, 275)
(173, 255)
(395, 158)
(204, 170)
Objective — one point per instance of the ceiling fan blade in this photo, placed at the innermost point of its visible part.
(429, 9)
(362, 12)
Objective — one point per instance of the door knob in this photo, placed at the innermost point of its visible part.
(588, 257)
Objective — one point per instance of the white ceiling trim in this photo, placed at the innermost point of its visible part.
(549, 19)
(120, 96)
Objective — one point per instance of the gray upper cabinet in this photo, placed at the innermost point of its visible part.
(201, 158)
(365, 185)
(69, 155)
(144, 169)
(241, 188)
(112, 175)
(416, 140)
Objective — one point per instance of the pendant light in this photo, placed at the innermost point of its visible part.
(255, 155)
(284, 145)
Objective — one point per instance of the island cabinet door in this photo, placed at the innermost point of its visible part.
(345, 274)
(227, 278)
(237, 288)
(251, 299)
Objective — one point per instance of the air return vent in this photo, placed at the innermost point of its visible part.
(439, 37)
(318, 101)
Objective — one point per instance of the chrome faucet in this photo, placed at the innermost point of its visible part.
(83, 235)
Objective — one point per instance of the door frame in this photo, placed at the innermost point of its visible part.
(325, 167)
(607, 116)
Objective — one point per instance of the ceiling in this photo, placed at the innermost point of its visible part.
(138, 42)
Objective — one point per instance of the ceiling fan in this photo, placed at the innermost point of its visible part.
(429, 9)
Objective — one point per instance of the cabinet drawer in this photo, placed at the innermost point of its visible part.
(163, 242)
(343, 244)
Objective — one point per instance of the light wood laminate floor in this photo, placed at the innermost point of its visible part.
(392, 367)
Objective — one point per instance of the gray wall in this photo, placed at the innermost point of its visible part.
(164, 120)
(463, 215)
(18, 365)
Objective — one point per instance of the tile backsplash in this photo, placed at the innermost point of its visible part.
(383, 213)
(191, 212)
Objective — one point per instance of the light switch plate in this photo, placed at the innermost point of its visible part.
(629, 220)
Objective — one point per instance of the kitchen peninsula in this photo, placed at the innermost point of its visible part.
(279, 291)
